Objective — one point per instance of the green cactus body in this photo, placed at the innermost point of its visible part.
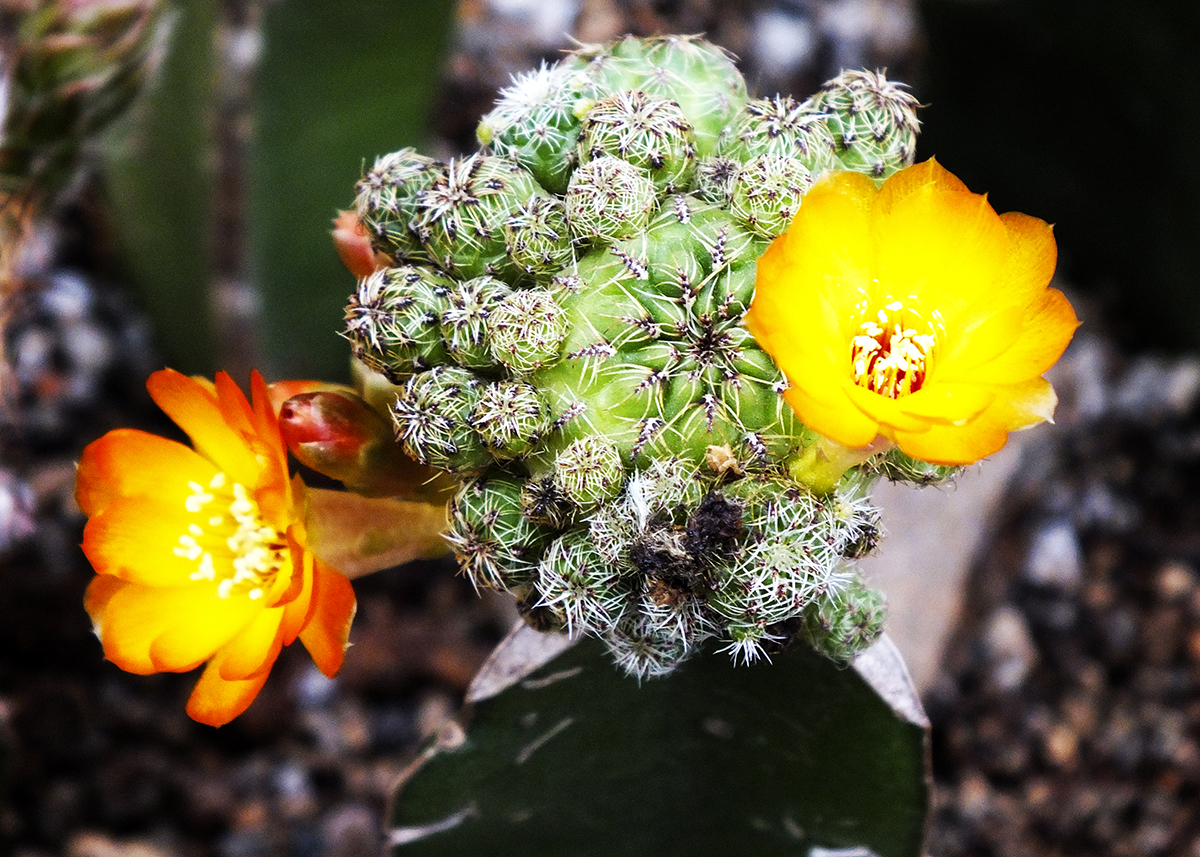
(386, 201)
(573, 350)
(463, 211)
(873, 121)
(393, 320)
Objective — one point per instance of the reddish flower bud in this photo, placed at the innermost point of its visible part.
(338, 435)
(353, 245)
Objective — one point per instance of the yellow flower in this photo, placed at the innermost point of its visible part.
(201, 554)
(912, 312)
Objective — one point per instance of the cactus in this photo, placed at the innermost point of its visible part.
(567, 333)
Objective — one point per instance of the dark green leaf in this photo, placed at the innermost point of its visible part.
(339, 84)
(781, 758)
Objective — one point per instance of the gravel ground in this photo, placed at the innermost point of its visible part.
(1067, 720)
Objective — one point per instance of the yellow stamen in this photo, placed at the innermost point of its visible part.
(249, 552)
(892, 356)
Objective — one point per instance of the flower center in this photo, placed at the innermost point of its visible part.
(229, 525)
(891, 353)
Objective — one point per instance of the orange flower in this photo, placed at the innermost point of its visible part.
(912, 312)
(201, 553)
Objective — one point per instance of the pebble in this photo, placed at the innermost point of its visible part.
(1055, 558)
(93, 844)
(353, 830)
(1175, 580)
(1010, 650)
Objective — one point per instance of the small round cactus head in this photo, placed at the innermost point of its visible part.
(465, 320)
(845, 621)
(873, 121)
(392, 320)
(461, 215)
(782, 127)
(645, 131)
(510, 418)
(767, 193)
(609, 198)
(386, 201)
(432, 416)
(536, 123)
(496, 545)
(537, 237)
(526, 331)
(564, 332)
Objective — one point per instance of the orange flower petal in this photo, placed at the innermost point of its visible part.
(919, 178)
(255, 649)
(194, 407)
(146, 629)
(204, 624)
(235, 410)
(328, 632)
(134, 538)
(215, 701)
(128, 462)
(299, 609)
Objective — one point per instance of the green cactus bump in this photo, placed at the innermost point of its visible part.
(564, 330)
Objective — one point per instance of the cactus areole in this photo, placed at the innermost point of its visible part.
(563, 324)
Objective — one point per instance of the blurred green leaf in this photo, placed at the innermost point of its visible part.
(339, 84)
(160, 187)
(781, 758)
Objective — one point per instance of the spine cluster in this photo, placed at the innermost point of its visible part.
(562, 322)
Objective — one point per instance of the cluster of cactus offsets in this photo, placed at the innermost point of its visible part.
(563, 324)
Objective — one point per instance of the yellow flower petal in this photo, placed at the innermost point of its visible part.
(147, 629)
(1014, 408)
(841, 421)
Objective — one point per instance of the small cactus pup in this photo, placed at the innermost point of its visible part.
(562, 330)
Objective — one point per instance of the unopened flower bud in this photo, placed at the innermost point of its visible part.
(336, 434)
(353, 244)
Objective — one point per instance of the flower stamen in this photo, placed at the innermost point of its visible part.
(890, 356)
(252, 551)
